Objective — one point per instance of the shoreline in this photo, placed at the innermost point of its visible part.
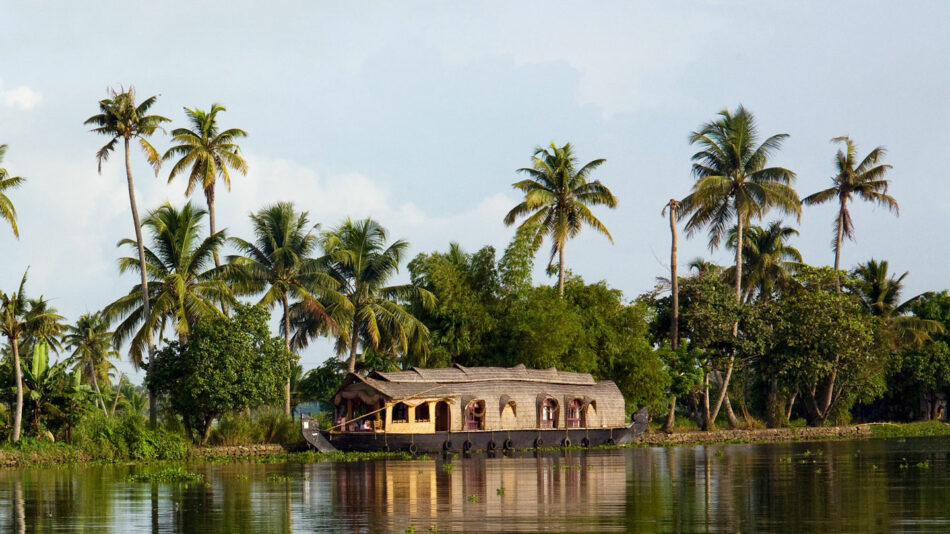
(764, 435)
(63, 455)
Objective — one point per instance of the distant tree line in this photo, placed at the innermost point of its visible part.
(768, 338)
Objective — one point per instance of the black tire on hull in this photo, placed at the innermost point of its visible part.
(478, 440)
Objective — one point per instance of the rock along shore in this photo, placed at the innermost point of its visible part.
(238, 451)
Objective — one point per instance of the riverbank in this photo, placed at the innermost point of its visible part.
(35, 453)
(776, 435)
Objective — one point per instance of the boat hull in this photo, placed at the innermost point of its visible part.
(474, 441)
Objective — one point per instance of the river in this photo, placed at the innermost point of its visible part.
(842, 486)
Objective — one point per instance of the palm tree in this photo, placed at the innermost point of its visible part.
(121, 118)
(20, 321)
(865, 179)
(206, 154)
(880, 294)
(358, 257)
(673, 206)
(91, 343)
(558, 197)
(185, 285)
(7, 211)
(733, 182)
(279, 264)
(768, 261)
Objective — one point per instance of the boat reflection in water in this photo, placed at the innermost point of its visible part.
(847, 486)
(490, 493)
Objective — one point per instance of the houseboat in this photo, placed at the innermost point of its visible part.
(474, 408)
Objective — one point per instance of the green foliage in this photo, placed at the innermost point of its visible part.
(183, 289)
(732, 177)
(826, 345)
(268, 426)
(167, 475)
(126, 437)
(227, 365)
(322, 382)
(558, 194)
(7, 182)
(205, 153)
(910, 430)
(359, 257)
(590, 330)
(864, 180)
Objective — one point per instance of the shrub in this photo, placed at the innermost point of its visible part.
(268, 426)
(126, 437)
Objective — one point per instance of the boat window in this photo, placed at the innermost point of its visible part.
(422, 412)
(400, 413)
(549, 413)
(475, 415)
(575, 414)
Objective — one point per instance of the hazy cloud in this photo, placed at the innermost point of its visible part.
(21, 97)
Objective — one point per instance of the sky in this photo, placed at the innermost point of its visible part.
(419, 113)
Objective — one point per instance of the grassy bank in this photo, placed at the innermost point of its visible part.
(161, 446)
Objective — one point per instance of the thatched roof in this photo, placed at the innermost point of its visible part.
(460, 374)
(481, 382)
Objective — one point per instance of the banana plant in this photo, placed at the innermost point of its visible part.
(52, 390)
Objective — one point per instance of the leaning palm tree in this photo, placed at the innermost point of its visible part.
(880, 293)
(19, 321)
(768, 260)
(558, 197)
(120, 117)
(184, 284)
(864, 179)
(358, 256)
(734, 182)
(7, 211)
(205, 154)
(279, 264)
(92, 346)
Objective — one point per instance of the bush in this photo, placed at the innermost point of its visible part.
(126, 437)
(236, 429)
(269, 426)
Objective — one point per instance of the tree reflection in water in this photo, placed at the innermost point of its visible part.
(856, 486)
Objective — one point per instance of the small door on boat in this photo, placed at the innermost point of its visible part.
(441, 416)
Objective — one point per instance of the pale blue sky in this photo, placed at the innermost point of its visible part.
(418, 113)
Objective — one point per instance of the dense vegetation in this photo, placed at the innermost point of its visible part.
(767, 339)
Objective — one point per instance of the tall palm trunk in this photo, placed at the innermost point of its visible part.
(841, 215)
(18, 414)
(287, 346)
(209, 197)
(95, 386)
(707, 420)
(146, 308)
(118, 391)
(560, 276)
(724, 389)
(354, 340)
(675, 321)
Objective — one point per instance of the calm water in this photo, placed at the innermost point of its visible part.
(861, 486)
